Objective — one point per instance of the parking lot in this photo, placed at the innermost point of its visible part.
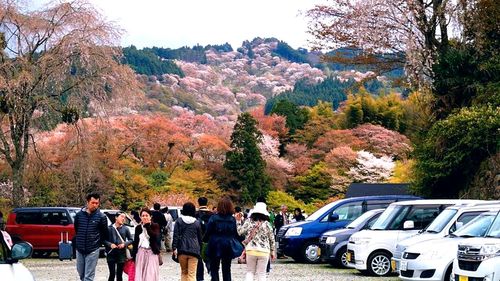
(282, 270)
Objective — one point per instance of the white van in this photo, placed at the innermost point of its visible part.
(432, 259)
(451, 219)
(479, 258)
(370, 251)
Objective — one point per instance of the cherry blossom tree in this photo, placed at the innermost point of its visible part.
(417, 28)
(52, 59)
(371, 169)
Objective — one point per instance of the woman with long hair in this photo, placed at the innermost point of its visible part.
(119, 238)
(222, 238)
(146, 252)
(259, 242)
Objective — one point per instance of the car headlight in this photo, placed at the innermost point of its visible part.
(293, 231)
(331, 240)
(490, 250)
(360, 240)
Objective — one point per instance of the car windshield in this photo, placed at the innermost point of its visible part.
(316, 215)
(477, 227)
(441, 221)
(393, 212)
(361, 220)
(494, 230)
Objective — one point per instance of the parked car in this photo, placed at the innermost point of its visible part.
(334, 242)
(479, 258)
(10, 267)
(432, 259)
(451, 219)
(41, 226)
(300, 240)
(370, 251)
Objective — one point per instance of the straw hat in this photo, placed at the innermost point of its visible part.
(260, 208)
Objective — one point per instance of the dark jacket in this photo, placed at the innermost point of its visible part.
(279, 221)
(187, 236)
(91, 231)
(159, 218)
(221, 231)
(113, 238)
(153, 230)
(203, 215)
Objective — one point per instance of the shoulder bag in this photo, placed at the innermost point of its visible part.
(243, 257)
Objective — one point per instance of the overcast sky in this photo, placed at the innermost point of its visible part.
(177, 23)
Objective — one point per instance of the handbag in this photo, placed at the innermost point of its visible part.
(129, 269)
(128, 255)
(243, 257)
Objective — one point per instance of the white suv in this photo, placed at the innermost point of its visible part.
(479, 258)
(432, 259)
(446, 223)
(370, 251)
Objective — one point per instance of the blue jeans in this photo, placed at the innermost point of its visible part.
(86, 264)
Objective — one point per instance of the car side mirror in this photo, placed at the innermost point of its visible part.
(21, 251)
(408, 225)
(333, 217)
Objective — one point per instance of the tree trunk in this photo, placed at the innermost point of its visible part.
(17, 185)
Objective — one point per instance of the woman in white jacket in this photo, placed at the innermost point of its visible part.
(259, 242)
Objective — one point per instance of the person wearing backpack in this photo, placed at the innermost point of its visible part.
(203, 215)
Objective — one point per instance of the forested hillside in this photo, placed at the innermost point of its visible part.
(261, 120)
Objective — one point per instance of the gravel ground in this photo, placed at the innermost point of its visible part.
(282, 270)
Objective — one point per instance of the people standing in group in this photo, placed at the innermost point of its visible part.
(203, 215)
(222, 238)
(146, 251)
(91, 230)
(119, 238)
(168, 232)
(186, 243)
(297, 215)
(280, 220)
(159, 218)
(259, 242)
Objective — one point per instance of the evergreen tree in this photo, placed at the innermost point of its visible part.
(244, 160)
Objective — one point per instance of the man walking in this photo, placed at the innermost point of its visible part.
(169, 229)
(91, 230)
(203, 215)
(280, 220)
(159, 218)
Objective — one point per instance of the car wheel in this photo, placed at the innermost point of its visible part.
(341, 257)
(311, 252)
(379, 264)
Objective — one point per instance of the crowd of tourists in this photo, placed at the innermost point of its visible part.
(199, 239)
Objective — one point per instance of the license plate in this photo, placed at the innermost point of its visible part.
(463, 278)
(393, 265)
(403, 266)
(348, 257)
